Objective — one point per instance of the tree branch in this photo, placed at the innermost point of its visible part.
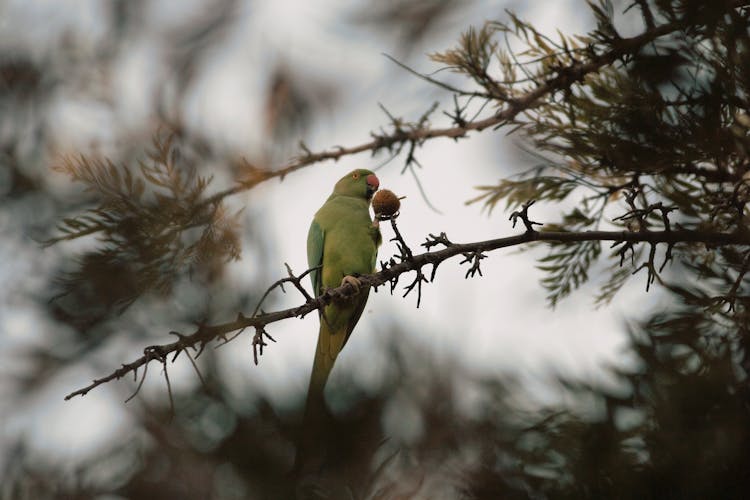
(207, 333)
(564, 77)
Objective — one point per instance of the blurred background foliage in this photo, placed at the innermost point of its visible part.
(674, 423)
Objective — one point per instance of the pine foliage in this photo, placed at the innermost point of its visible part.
(665, 122)
(153, 222)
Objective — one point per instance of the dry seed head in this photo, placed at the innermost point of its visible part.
(385, 202)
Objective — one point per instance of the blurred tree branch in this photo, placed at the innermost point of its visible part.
(417, 133)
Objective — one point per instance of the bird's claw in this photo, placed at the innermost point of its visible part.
(353, 281)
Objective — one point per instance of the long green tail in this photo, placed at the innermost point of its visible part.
(316, 415)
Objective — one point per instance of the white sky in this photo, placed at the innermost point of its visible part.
(493, 323)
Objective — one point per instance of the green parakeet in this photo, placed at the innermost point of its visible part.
(343, 240)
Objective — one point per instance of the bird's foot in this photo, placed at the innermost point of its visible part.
(353, 281)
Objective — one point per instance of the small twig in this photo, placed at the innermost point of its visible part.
(197, 371)
(440, 239)
(523, 214)
(649, 266)
(424, 120)
(667, 256)
(384, 266)
(431, 241)
(259, 343)
(423, 193)
(474, 259)
(626, 245)
(641, 214)
(140, 383)
(291, 278)
(397, 123)
(169, 387)
(407, 255)
(648, 16)
(296, 280)
(457, 117)
(438, 83)
(418, 280)
(403, 248)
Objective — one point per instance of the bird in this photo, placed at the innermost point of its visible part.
(342, 244)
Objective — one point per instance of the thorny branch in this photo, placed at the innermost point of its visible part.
(472, 253)
(405, 254)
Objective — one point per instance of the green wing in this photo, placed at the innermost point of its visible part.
(356, 314)
(315, 240)
(363, 295)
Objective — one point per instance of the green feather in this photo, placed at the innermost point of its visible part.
(315, 238)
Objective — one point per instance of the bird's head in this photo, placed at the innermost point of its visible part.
(360, 183)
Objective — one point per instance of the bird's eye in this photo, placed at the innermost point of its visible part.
(355, 175)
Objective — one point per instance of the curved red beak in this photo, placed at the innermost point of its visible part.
(372, 184)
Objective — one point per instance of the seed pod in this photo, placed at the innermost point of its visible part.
(385, 203)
